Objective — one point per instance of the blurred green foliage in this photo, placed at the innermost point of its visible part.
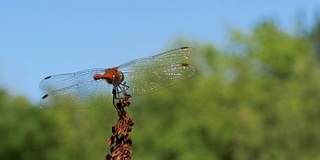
(259, 98)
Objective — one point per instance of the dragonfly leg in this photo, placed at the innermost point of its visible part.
(122, 88)
(116, 96)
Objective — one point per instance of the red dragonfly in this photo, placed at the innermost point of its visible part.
(91, 87)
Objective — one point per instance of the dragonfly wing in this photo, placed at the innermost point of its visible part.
(141, 81)
(169, 57)
(74, 90)
(86, 94)
(60, 81)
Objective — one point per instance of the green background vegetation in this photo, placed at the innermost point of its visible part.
(258, 98)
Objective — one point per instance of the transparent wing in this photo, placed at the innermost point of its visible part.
(60, 81)
(141, 80)
(74, 90)
(166, 58)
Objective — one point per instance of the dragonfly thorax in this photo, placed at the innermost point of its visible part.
(111, 75)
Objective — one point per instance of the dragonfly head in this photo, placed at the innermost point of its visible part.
(117, 78)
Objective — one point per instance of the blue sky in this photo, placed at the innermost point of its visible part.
(41, 38)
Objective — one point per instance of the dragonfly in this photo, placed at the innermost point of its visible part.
(91, 87)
